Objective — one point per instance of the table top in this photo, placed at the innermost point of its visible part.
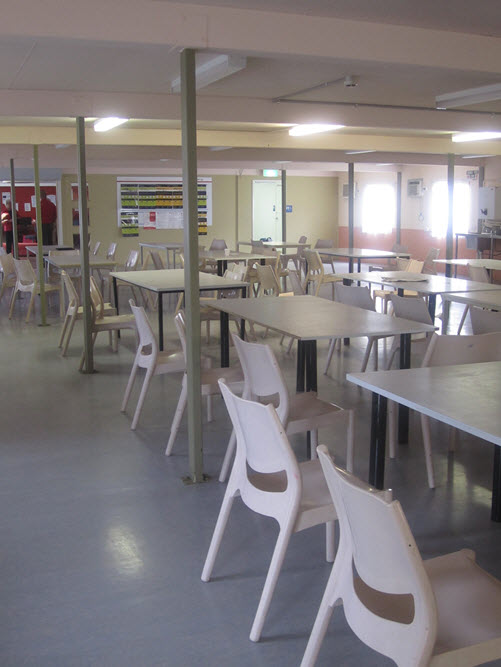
(482, 235)
(448, 393)
(360, 253)
(234, 255)
(482, 299)
(75, 261)
(169, 245)
(491, 264)
(419, 282)
(313, 318)
(47, 248)
(279, 244)
(172, 280)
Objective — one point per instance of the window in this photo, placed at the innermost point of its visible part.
(440, 208)
(379, 209)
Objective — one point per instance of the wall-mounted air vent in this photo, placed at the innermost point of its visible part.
(415, 187)
(346, 191)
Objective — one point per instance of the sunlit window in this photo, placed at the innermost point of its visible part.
(440, 208)
(379, 209)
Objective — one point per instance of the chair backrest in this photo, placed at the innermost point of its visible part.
(147, 342)
(263, 446)
(411, 308)
(450, 350)
(394, 568)
(484, 321)
(263, 378)
(268, 282)
(112, 249)
(302, 239)
(315, 266)
(25, 272)
(352, 295)
(132, 260)
(429, 264)
(478, 273)
(3, 251)
(415, 266)
(180, 324)
(96, 247)
(218, 244)
(96, 300)
(73, 300)
(295, 282)
(8, 266)
(324, 243)
(157, 260)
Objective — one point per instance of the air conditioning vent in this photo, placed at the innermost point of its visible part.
(346, 190)
(415, 187)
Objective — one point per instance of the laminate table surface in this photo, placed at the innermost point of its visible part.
(359, 254)
(278, 244)
(33, 249)
(483, 298)
(75, 261)
(466, 397)
(485, 263)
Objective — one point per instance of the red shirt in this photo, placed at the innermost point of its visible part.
(6, 219)
(49, 211)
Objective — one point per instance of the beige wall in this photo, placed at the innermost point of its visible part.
(314, 203)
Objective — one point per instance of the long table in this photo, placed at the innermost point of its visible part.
(168, 247)
(222, 258)
(359, 254)
(485, 263)
(169, 281)
(464, 396)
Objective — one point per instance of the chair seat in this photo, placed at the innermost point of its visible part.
(308, 412)
(114, 322)
(233, 376)
(174, 361)
(457, 578)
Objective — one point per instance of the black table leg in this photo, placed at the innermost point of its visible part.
(378, 441)
(225, 339)
(300, 366)
(496, 486)
(242, 321)
(160, 321)
(115, 293)
(403, 411)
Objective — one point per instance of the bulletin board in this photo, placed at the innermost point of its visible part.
(147, 204)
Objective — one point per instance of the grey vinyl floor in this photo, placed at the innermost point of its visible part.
(102, 544)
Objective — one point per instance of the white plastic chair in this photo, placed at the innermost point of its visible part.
(480, 275)
(409, 265)
(27, 281)
(484, 321)
(359, 297)
(315, 272)
(104, 274)
(296, 258)
(451, 350)
(299, 413)
(209, 384)
(8, 269)
(409, 308)
(131, 264)
(437, 612)
(74, 312)
(151, 359)
(96, 247)
(102, 322)
(429, 266)
(326, 259)
(294, 494)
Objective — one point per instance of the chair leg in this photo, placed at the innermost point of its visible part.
(330, 535)
(314, 443)
(128, 388)
(209, 409)
(329, 354)
(392, 428)
(367, 354)
(30, 306)
(217, 535)
(142, 396)
(425, 426)
(63, 330)
(271, 579)
(178, 415)
(350, 440)
(12, 301)
(463, 318)
(68, 335)
(230, 450)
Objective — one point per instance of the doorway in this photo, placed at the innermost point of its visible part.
(267, 210)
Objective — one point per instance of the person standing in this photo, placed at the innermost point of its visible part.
(49, 215)
(6, 218)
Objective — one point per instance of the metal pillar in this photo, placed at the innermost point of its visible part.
(84, 245)
(351, 204)
(398, 230)
(15, 246)
(40, 266)
(191, 277)
(450, 218)
(284, 205)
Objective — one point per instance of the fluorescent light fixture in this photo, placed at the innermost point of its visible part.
(270, 173)
(164, 159)
(304, 130)
(105, 124)
(475, 136)
(359, 152)
(463, 98)
(216, 149)
(472, 157)
(283, 161)
(213, 70)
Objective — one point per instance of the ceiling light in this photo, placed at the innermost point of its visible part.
(164, 159)
(220, 148)
(213, 70)
(475, 136)
(304, 130)
(105, 124)
(283, 161)
(473, 157)
(359, 152)
(463, 98)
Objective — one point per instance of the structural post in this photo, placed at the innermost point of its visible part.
(284, 205)
(450, 217)
(398, 234)
(83, 216)
(191, 278)
(351, 204)
(15, 245)
(40, 266)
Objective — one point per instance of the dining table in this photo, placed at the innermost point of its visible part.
(465, 396)
(359, 254)
(222, 257)
(482, 263)
(169, 247)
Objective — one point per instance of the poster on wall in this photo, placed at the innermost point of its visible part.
(159, 204)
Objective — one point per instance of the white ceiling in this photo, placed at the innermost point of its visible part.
(119, 58)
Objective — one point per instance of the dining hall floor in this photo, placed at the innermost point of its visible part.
(103, 544)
